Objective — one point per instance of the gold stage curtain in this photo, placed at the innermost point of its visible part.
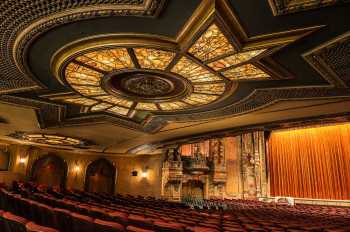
(310, 162)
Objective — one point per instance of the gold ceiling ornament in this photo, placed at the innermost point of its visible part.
(50, 139)
(282, 7)
(126, 73)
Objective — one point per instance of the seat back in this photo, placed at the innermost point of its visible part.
(82, 223)
(107, 226)
(48, 216)
(32, 227)
(2, 221)
(14, 223)
(63, 220)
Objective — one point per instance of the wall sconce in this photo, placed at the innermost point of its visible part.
(144, 174)
(22, 160)
(77, 168)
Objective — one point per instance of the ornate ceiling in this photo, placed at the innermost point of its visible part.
(49, 139)
(148, 64)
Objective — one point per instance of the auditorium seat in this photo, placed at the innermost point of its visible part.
(137, 229)
(82, 223)
(32, 227)
(2, 221)
(80, 211)
(118, 216)
(140, 221)
(168, 227)
(107, 226)
(64, 219)
(14, 223)
(201, 229)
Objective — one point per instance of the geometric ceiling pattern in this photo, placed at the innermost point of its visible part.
(38, 17)
(123, 80)
(142, 81)
(83, 63)
(332, 60)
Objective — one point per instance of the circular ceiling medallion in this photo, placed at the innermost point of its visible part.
(123, 79)
(147, 85)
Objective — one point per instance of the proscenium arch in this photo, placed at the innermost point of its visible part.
(103, 173)
(52, 167)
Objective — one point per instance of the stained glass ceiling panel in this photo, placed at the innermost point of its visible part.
(217, 88)
(89, 90)
(153, 58)
(194, 72)
(80, 101)
(100, 107)
(115, 100)
(245, 72)
(199, 99)
(146, 106)
(177, 105)
(234, 59)
(212, 43)
(107, 59)
(76, 74)
(118, 110)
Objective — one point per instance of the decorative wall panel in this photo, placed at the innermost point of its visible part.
(230, 167)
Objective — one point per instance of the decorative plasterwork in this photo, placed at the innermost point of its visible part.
(276, 125)
(121, 80)
(88, 66)
(50, 139)
(123, 74)
(332, 60)
(22, 21)
(281, 7)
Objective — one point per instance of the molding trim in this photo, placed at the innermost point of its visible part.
(277, 125)
(283, 7)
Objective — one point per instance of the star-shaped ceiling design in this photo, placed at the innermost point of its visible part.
(126, 74)
(143, 80)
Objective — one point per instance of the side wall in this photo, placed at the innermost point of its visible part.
(77, 164)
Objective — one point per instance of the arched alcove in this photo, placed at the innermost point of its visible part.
(100, 177)
(50, 170)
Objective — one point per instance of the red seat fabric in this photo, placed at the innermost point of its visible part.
(32, 227)
(14, 223)
(140, 221)
(82, 223)
(63, 219)
(137, 229)
(118, 216)
(2, 221)
(107, 226)
(168, 227)
(201, 229)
